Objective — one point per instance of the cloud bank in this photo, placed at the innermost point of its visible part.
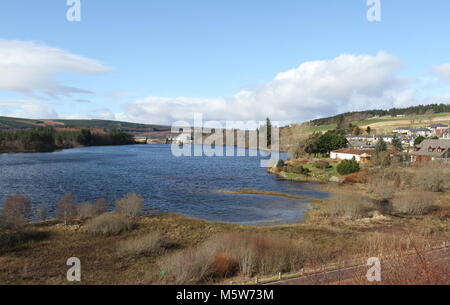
(31, 68)
(313, 89)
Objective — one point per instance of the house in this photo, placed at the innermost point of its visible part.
(424, 132)
(438, 129)
(350, 153)
(402, 130)
(360, 155)
(386, 138)
(446, 134)
(430, 150)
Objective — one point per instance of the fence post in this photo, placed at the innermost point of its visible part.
(279, 275)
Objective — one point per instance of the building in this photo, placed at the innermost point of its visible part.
(430, 150)
(350, 153)
(438, 129)
(387, 138)
(446, 134)
(402, 130)
(416, 132)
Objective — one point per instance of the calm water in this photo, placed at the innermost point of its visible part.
(183, 185)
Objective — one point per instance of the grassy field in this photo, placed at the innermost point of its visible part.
(387, 124)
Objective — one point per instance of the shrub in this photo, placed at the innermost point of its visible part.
(347, 167)
(280, 163)
(433, 176)
(130, 204)
(150, 244)
(415, 203)
(17, 209)
(322, 165)
(347, 206)
(191, 266)
(109, 224)
(66, 209)
(299, 169)
(42, 213)
(244, 253)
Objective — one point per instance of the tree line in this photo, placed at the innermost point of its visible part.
(48, 139)
(363, 115)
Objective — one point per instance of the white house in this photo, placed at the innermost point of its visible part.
(350, 153)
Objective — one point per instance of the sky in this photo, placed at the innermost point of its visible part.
(159, 62)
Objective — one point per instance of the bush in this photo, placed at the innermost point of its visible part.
(346, 206)
(415, 203)
(433, 176)
(17, 209)
(191, 266)
(109, 224)
(347, 167)
(297, 170)
(150, 244)
(280, 163)
(130, 205)
(322, 165)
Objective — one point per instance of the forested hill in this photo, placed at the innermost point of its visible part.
(363, 115)
(7, 123)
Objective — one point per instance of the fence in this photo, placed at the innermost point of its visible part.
(356, 262)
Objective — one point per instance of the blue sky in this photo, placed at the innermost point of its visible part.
(158, 61)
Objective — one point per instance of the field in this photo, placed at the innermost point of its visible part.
(387, 124)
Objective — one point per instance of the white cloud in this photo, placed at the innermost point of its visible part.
(28, 67)
(313, 89)
(443, 72)
(27, 109)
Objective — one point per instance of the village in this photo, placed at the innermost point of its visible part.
(421, 144)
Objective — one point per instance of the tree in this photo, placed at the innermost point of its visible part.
(419, 140)
(85, 137)
(269, 132)
(381, 146)
(330, 141)
(368, 130)
(130, 204)
(66, 209)
(101, 205)
(397, 143)
(347, 167)
(17, 209)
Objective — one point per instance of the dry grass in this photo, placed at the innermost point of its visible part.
(151, 244)
(109, 224)
(415, 203)
(345, 206)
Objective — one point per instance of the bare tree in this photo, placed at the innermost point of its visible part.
(66, 208)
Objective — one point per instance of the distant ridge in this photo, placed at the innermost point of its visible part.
(9, 123)
(366, 114)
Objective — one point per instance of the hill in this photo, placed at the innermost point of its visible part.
(8, 123)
